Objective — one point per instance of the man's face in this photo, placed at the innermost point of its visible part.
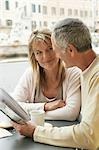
(62, 53)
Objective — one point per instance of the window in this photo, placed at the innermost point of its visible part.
(16, 4)
(81, 13)
(40, 23)
(61, 11)
(53, 11)
(25, 11)
(9, 22)
(33, 8)
(7, 5)
(53, 23)
(96, 12)
(75, 12)
(69, 12)
(39, 8)
(45, 23)
(44, 10)
(90, 14)
(86, 13)
(33, 25)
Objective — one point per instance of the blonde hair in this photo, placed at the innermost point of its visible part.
(38, 71)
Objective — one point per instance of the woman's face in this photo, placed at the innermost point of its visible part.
(45, 55)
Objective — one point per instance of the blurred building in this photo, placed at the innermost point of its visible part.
(31, 14)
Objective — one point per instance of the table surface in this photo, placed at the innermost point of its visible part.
(18, 142)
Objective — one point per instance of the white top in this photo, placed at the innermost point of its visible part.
(71, 94)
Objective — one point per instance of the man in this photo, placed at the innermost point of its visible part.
(72, 42)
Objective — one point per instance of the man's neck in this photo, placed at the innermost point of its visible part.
(88, 58)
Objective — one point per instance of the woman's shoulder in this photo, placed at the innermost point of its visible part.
(28, 73)
(73, 70)
(28, 70)
(72, 79)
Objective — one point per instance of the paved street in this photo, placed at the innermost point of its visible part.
(10, 74)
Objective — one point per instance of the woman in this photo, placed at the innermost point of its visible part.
(48, 85)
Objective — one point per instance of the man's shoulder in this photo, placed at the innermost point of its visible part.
(94, 74)
(95, 71)
(95, 68)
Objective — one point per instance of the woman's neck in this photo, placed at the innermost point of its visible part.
(52, 78)
(51, 75)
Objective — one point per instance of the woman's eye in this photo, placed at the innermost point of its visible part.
(38, 52)
(51, 48)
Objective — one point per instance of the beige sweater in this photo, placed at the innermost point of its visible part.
(86, 134)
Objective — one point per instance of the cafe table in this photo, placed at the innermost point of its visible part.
(19, 142)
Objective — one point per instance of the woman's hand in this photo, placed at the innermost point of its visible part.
(25, 129)
(54, 105)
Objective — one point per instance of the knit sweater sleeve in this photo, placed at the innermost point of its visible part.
(72, 96)
(23, 90)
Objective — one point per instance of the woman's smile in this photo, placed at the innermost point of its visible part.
(49, 61)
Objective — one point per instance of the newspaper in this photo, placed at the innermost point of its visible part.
(12, 109)
(4, 133)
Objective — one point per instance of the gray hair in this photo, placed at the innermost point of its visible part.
(72, 31)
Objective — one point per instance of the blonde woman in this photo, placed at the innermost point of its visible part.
(48, 85)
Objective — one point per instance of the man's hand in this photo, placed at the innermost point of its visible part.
(54, 105)
(25, 129)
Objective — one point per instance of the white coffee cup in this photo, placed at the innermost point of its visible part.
(37, 117)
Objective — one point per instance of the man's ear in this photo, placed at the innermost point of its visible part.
(71, 49)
